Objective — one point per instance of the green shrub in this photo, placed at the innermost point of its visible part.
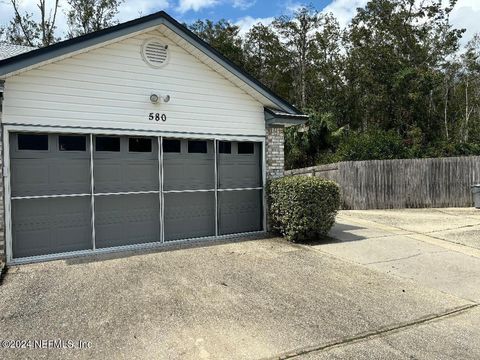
(302, 208)
(448, 149)
(378, 145)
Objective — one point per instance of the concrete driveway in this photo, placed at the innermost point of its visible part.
(379, 290)
(436, 249)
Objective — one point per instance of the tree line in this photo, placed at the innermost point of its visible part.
(394, 83)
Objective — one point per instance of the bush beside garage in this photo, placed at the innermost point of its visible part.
(302, 208)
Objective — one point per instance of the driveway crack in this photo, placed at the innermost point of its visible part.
(375, 333)
(405, 257)
(431, 234)
(453, 214)
(450, 229)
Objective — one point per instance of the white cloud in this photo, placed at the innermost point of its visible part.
(195, 5)
(243, 4)
(132, 9)
(466, 15)
(247, 22)
(6, 11)
(344, 10)
(291, 6)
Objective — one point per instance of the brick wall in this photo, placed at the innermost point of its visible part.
(275, 152)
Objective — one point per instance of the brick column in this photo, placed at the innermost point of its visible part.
(275, 157)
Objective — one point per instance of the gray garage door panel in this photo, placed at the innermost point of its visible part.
(240, 211)
(51, 172)
(126, 220)
(125, 175)
(189, 215)
(189, 171)
(240, 170)
(33, 177)
(126, 171)
(49, 226)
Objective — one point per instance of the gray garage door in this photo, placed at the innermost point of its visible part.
(43, 167)
(138, 193)
(189, 187)
(126, 191)
(239, 187)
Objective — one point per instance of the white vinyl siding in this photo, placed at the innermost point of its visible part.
(109, 87)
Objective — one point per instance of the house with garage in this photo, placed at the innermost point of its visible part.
(134, 136)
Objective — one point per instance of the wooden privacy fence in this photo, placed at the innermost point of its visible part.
(409, 183)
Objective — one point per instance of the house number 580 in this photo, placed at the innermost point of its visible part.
(157, 117)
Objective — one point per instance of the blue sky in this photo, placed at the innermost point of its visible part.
(244, 13)
(238, 9)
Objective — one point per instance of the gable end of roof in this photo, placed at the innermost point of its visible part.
(63, 48)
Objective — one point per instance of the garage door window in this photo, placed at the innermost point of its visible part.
(32, 142)
(225, 147)
(197, 147)
(171, 146)
(72, 143)
(106, 143)
(245, 148)
(140, 145)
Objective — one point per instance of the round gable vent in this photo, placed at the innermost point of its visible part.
(155, 53)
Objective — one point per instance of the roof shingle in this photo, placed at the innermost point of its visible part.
(10, 50)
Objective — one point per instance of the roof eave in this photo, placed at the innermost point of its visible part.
(284, 122)
(275, 118)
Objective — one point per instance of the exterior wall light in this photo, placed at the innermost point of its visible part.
(154, 98)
